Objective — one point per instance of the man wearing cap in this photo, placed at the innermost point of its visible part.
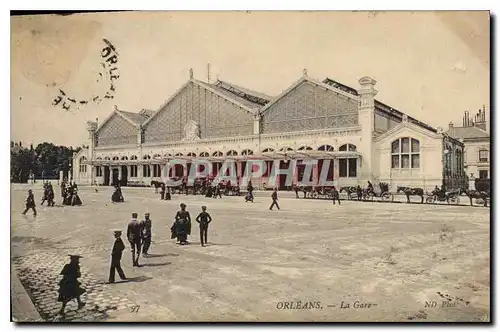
(116, 257)
(134, 237)
(30, 203)
(146, 234)
(203, 219)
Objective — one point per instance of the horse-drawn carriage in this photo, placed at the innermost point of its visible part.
(369, 193)
(438, 195)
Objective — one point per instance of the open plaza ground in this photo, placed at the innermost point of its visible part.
(360, 261)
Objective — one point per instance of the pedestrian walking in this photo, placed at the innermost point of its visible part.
(146, 225)
(134, 238)
(69, 286)
(274, 196)
(335, 195)
(116, 257)
(203, 220)
(30, 203)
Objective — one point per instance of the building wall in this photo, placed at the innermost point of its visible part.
(428, 175)
(472, 162)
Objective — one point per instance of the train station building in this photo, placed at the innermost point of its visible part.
(358, 137)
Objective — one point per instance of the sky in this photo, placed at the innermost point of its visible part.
(431, 65)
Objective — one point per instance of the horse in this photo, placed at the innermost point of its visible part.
(475, 194)
(411, 192)
(156, 184)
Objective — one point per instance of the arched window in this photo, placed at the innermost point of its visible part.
(247, 152)
(116, 158)
(124, 158)
(284, 149)
(133, 158)
(484, 155)
(268, 150)
(348, 147)
(405, 153)
(327, 148)
(98, 158)
(232, 153)
(204, 154)
(166, 155)
(179, 154)
(83, 167)
(191, 154)
(146, 157)
(156, 156)
(218, 154)
(106, 158)
(302, 148)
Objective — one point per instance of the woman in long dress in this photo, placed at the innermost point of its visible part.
(75, 199)
(69, 286)
(182, 225)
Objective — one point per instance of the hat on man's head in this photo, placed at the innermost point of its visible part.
(75, 256)
(134, 215)
(183, 205)
(146, 214)
(118, 232)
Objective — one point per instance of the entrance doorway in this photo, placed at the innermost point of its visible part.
(124, 179)
(106, 175)
(115, 177)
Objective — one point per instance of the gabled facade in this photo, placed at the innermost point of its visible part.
(327, 121)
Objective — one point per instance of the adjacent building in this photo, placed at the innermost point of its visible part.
(474, 134)
(362, 138)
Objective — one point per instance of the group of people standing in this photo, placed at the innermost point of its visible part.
(48, 194)
(69, 193)
(182, 225)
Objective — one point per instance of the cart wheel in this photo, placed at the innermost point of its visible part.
(384, 196)
(429, 200)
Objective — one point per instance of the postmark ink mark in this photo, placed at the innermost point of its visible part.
(109, 71)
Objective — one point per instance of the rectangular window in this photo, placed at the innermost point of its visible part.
(405, 145)
(395, 161)
(352, 167)
(483, 174)
(405, 161)
(395, 146)
(146, 171)
(98, 171)
(483, 156)
(415, 161)
(133, 171)
(415, 145)
(343, 168)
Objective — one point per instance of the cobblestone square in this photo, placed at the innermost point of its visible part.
(310, 261)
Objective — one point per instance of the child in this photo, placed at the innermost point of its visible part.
(203, 219)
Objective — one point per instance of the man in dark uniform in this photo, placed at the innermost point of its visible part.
(50, 196)
(45, 192)
(116, 257)
(30, 203)
(162, 192)
(204, 219)
(359, 192)
(274, 196)
(146, 234)
(134, 237)
(335, 195)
